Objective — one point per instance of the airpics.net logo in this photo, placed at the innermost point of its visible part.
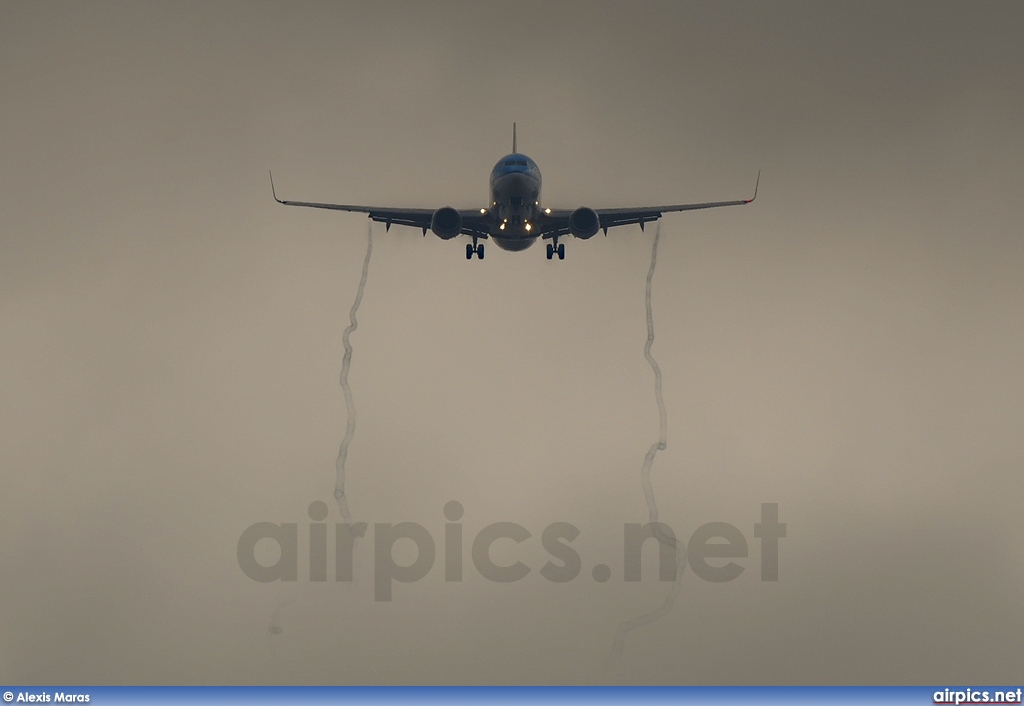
(708, 547)
(977, 696)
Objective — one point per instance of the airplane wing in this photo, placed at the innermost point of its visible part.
(472, 221)
(557, 222)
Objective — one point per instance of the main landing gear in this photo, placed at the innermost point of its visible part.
(475, 248)
(556, 248)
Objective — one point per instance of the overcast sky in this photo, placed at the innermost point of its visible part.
(849, 346)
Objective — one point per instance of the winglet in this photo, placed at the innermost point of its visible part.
(272, 190)
(513, 137)
(756, 183)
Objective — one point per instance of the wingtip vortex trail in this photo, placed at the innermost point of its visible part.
(346, 364)
(627, 626)
(276, 628)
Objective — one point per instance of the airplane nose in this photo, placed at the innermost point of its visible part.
(517, 185)
(515, 180)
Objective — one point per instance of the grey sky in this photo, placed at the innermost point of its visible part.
(849, 346)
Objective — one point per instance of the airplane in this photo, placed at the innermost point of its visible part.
(515, 219)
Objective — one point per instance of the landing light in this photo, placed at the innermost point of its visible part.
(547, 210)
(502, 227)
(483, 210)
(527, 226)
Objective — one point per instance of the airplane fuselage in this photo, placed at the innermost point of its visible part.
(515, 201)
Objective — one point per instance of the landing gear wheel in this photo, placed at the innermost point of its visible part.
(551, 251)
(480, 251)
(469, 251)
(561, 251)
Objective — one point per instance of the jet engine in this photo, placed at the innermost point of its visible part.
(584, 223)
(446, 223)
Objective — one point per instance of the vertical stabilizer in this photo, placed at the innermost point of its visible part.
(514, 137)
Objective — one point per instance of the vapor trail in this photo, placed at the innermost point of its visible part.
(346, 363)
(275, 628)
(275, 622)
(273, 632)
(645, 477)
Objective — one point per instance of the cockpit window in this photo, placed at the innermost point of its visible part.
(515, 163)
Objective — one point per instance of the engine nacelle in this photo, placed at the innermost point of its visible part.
(584, 223)
(446, 223)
